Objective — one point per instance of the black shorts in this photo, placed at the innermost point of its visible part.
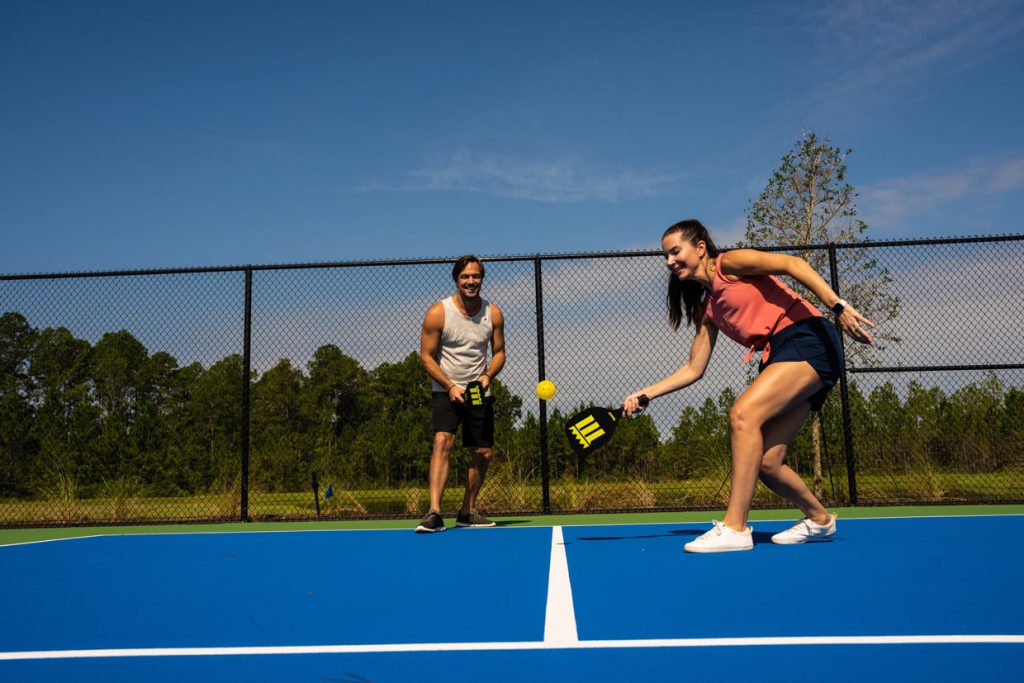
(815, 340)
(477, 423)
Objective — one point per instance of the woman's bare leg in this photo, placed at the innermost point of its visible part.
(781, 388)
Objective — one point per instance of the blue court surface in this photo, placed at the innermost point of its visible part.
(937, 599)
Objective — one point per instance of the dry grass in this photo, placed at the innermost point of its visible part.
(416, 502)
(344, 503)
(122, 503)
(571, 495)
(505, 491)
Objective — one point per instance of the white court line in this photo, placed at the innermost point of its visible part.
(533, 645)
(51, 540)
(560, 615)
(794, 519)
(404, 529)
(117, 534)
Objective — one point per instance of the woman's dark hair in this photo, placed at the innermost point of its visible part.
(688, 293)
(463, 262)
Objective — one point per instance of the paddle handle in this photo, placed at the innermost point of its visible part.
(642, 399)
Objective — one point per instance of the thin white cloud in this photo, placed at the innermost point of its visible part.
(1008, 177)
(923, 32)
(873, 48)
(558, 181)
(934, 325)
(888, 203)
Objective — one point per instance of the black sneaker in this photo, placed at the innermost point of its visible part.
(472, 518)
(431, 523)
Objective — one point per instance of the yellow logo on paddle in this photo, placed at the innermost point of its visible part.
(587, 431)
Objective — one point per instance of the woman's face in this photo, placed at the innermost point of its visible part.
(681, 257)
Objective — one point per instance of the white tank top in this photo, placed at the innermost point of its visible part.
(464, 343)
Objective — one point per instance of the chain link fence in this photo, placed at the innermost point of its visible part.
(295, 392)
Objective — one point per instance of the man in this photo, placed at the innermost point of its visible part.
(453, 350)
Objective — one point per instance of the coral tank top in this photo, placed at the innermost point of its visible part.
(752, 309)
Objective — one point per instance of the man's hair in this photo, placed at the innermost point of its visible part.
(464, 261)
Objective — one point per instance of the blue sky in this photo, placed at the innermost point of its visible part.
(161, 134)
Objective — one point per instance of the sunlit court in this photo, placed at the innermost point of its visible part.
(615, 602)
(461, 341)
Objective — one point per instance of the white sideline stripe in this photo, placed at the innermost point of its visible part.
(560, 615)
(403, 529)
(533, 645)
(50, 540)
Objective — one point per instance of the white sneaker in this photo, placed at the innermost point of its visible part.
(721, 539)
(805, 530)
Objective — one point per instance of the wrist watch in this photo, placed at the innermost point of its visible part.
(839, 307)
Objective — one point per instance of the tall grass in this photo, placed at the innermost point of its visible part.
(122, 501)
(60, 494)
(123, 495)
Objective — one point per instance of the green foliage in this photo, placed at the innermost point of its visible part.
(17, 340)
(808, 200)
(280, 429)
(91, 432)
(17, 443)
(700, 444)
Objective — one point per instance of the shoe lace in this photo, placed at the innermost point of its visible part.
(715, 530)
(802, 527)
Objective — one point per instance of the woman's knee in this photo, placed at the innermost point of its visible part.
(742, 417)
(771, 464)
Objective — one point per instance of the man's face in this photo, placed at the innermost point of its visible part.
(469, 280)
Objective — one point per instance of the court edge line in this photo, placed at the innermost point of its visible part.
(53, 540)
(794, 519)
(499, 528)
(531, 645)
(228, 533)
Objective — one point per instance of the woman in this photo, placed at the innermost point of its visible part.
(737, 293)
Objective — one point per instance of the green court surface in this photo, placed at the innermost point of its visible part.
(9, 536)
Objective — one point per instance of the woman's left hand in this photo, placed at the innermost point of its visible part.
(855, 325)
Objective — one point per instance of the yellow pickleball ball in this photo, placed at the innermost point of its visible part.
(545, 390)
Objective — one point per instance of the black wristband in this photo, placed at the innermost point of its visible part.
(839, 307)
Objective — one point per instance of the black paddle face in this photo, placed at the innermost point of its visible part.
(475, 396)
(594, 427)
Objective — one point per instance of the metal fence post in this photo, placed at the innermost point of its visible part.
(246, 372)
(844, 394)
(545, 474)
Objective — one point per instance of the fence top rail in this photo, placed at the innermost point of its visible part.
(491, 259)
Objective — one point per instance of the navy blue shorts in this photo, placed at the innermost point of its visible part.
(815, 340)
